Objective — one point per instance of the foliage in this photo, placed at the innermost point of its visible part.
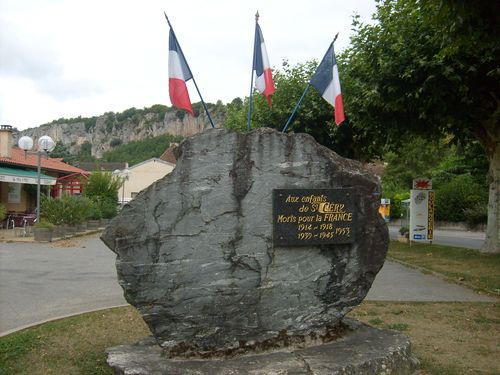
(67, 209)
(95, 212)
(44, 224)
(315, 115)
(115, 142)
(89, 123)
(108, 208)
(429, 68)
(85, 153)
(60, 151)
(54, 210)
(469, 159)
(397, 209)
(137, 151)
(102, 190)
(3, 212)
(443, 163)
(460, 193)
(476, 215)
(416, 158)
(103, 185)
(159, 109)
(425, 67)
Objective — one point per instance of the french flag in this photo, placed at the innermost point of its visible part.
(179, 74)
(264, 82)
(326, 81)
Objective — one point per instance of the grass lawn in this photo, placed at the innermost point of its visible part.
(448, 338)
(476, 270)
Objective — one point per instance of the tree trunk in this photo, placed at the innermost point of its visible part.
(492, 243)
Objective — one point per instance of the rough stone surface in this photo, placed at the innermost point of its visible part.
(195, 253)
(364, 350)
(101, 136)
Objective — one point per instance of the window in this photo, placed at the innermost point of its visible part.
(14, 195)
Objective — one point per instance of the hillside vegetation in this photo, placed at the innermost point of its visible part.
(137, 151)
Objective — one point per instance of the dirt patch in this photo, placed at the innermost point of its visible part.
(65, 243)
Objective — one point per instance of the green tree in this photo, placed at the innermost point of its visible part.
(428, 68)
(103, 185)
(417, 157)
(85, 153)
(315, 115)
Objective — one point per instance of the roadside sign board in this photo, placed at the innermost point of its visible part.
(422, 211)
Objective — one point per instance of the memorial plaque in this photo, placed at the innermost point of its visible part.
(303, 217)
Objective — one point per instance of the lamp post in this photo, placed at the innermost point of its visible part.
(45, 144)
(124, 174)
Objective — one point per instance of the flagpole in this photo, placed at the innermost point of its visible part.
(251, 79)
(190, 72)
(292, 116)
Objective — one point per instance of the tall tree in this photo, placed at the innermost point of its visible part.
(315, 116)
(430, 68)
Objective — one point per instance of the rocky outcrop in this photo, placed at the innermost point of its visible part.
(196, 255)
(102, 131)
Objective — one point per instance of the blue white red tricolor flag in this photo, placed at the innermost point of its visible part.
(264, 81)
(326, 81)
(179, 74)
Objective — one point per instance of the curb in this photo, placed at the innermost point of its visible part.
(56, 239)
(13, 330)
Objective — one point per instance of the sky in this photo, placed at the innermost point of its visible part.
(67, 58)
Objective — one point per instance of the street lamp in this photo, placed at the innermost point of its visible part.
(124, 174)
(45, 144)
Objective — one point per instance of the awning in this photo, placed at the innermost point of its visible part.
(23, 176)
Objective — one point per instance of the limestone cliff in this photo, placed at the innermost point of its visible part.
(104, 131)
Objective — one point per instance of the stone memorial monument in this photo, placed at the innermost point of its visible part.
(247, 257)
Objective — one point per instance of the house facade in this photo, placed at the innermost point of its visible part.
(141, 175)
(19, 176)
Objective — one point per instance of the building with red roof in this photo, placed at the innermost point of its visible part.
(19, 176)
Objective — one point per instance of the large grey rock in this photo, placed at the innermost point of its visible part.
(195, 253)
(362, 350)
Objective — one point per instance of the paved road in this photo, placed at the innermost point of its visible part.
(467, 239)
(39, 282)
(43, 281)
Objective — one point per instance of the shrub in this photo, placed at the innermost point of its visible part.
(396, 206)
(3, 212)
(459, 194)
(476, 215)
(115, 142)
(103, 185)
(95, 210)
(108, 208)
(52, 210)
(68, 209)
(44, 224)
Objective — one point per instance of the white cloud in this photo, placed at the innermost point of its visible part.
(62, 58)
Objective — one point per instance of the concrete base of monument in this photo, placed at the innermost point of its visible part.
(363, 350)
